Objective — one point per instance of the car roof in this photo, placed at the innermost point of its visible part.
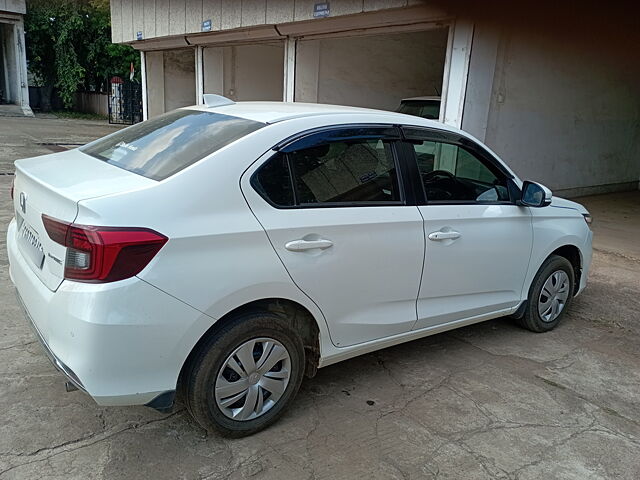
(276, 112)
(273, 112)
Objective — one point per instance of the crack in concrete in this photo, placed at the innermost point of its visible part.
(80, 442)
(514, 356)
(545, 364)
(485, 462)
(515, 474)
(616, 254)
(316, 423)
(17, 345)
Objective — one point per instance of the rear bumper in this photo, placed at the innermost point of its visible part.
(59, 364)
(123, 343)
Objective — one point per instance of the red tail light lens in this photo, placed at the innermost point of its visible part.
(103, 254)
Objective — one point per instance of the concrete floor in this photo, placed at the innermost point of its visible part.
(15, 111)
(487, 401)
(22, 137)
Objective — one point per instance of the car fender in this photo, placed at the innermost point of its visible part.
(553, 228)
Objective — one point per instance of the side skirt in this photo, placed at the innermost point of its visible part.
(362, 348)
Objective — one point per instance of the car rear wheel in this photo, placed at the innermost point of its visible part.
(550, 295)
(245, 375)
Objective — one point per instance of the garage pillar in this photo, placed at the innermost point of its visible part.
(199, 75)
(14, 65)
(456, 71)
(290, 70)
(143, 74)
(480, 83)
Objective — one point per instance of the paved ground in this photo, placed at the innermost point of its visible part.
(14, 111)
(487, 401)
(22, 137)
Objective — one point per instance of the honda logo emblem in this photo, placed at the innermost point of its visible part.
(23, 203)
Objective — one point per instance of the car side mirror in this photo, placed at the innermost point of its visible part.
(535, 195)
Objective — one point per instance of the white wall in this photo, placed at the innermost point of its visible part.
(562, 107)
(213, 70)
(171, 80)
(154, 62)
(179, 78)
(245, 72)
(374, 71)
(91, 102)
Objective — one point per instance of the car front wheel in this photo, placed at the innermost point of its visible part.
(550, 295)
(245, 375)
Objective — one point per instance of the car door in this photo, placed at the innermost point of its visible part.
(333, 207)
(478, 241)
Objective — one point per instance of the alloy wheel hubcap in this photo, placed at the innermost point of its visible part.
(553, 296)
(252, 379)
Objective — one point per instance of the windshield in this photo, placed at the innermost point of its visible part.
(164, 145)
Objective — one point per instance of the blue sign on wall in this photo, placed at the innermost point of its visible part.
(321, 10)
(206, 26)
(138, 35)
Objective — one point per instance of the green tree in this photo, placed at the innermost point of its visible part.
(69, 47)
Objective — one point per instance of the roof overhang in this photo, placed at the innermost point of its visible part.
(400, 19)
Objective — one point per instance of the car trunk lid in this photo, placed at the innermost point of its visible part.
(53, 185)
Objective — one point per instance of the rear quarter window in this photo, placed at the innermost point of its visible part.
(162, 146)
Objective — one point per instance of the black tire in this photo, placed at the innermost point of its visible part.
(532, 319)
(203, 370)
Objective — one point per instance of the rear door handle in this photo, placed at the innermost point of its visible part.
(302, 245)
(451, 235)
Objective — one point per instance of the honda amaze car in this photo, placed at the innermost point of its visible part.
(222, 252)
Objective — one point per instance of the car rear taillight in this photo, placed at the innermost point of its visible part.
(103, 254)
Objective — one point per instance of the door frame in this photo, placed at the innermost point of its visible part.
(444, 136)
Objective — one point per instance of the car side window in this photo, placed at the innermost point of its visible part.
(273, 181)
(451, 173)
(353, 171)
(337, 171)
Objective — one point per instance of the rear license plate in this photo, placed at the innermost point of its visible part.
(29, 241)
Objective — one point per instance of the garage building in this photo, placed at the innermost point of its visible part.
(14, 92)
(555, 94)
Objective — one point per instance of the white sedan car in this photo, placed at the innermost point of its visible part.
(222, 252)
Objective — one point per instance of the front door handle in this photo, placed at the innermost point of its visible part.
(450, 235)
(302, 245)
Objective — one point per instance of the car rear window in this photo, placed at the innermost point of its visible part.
(164, 145)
